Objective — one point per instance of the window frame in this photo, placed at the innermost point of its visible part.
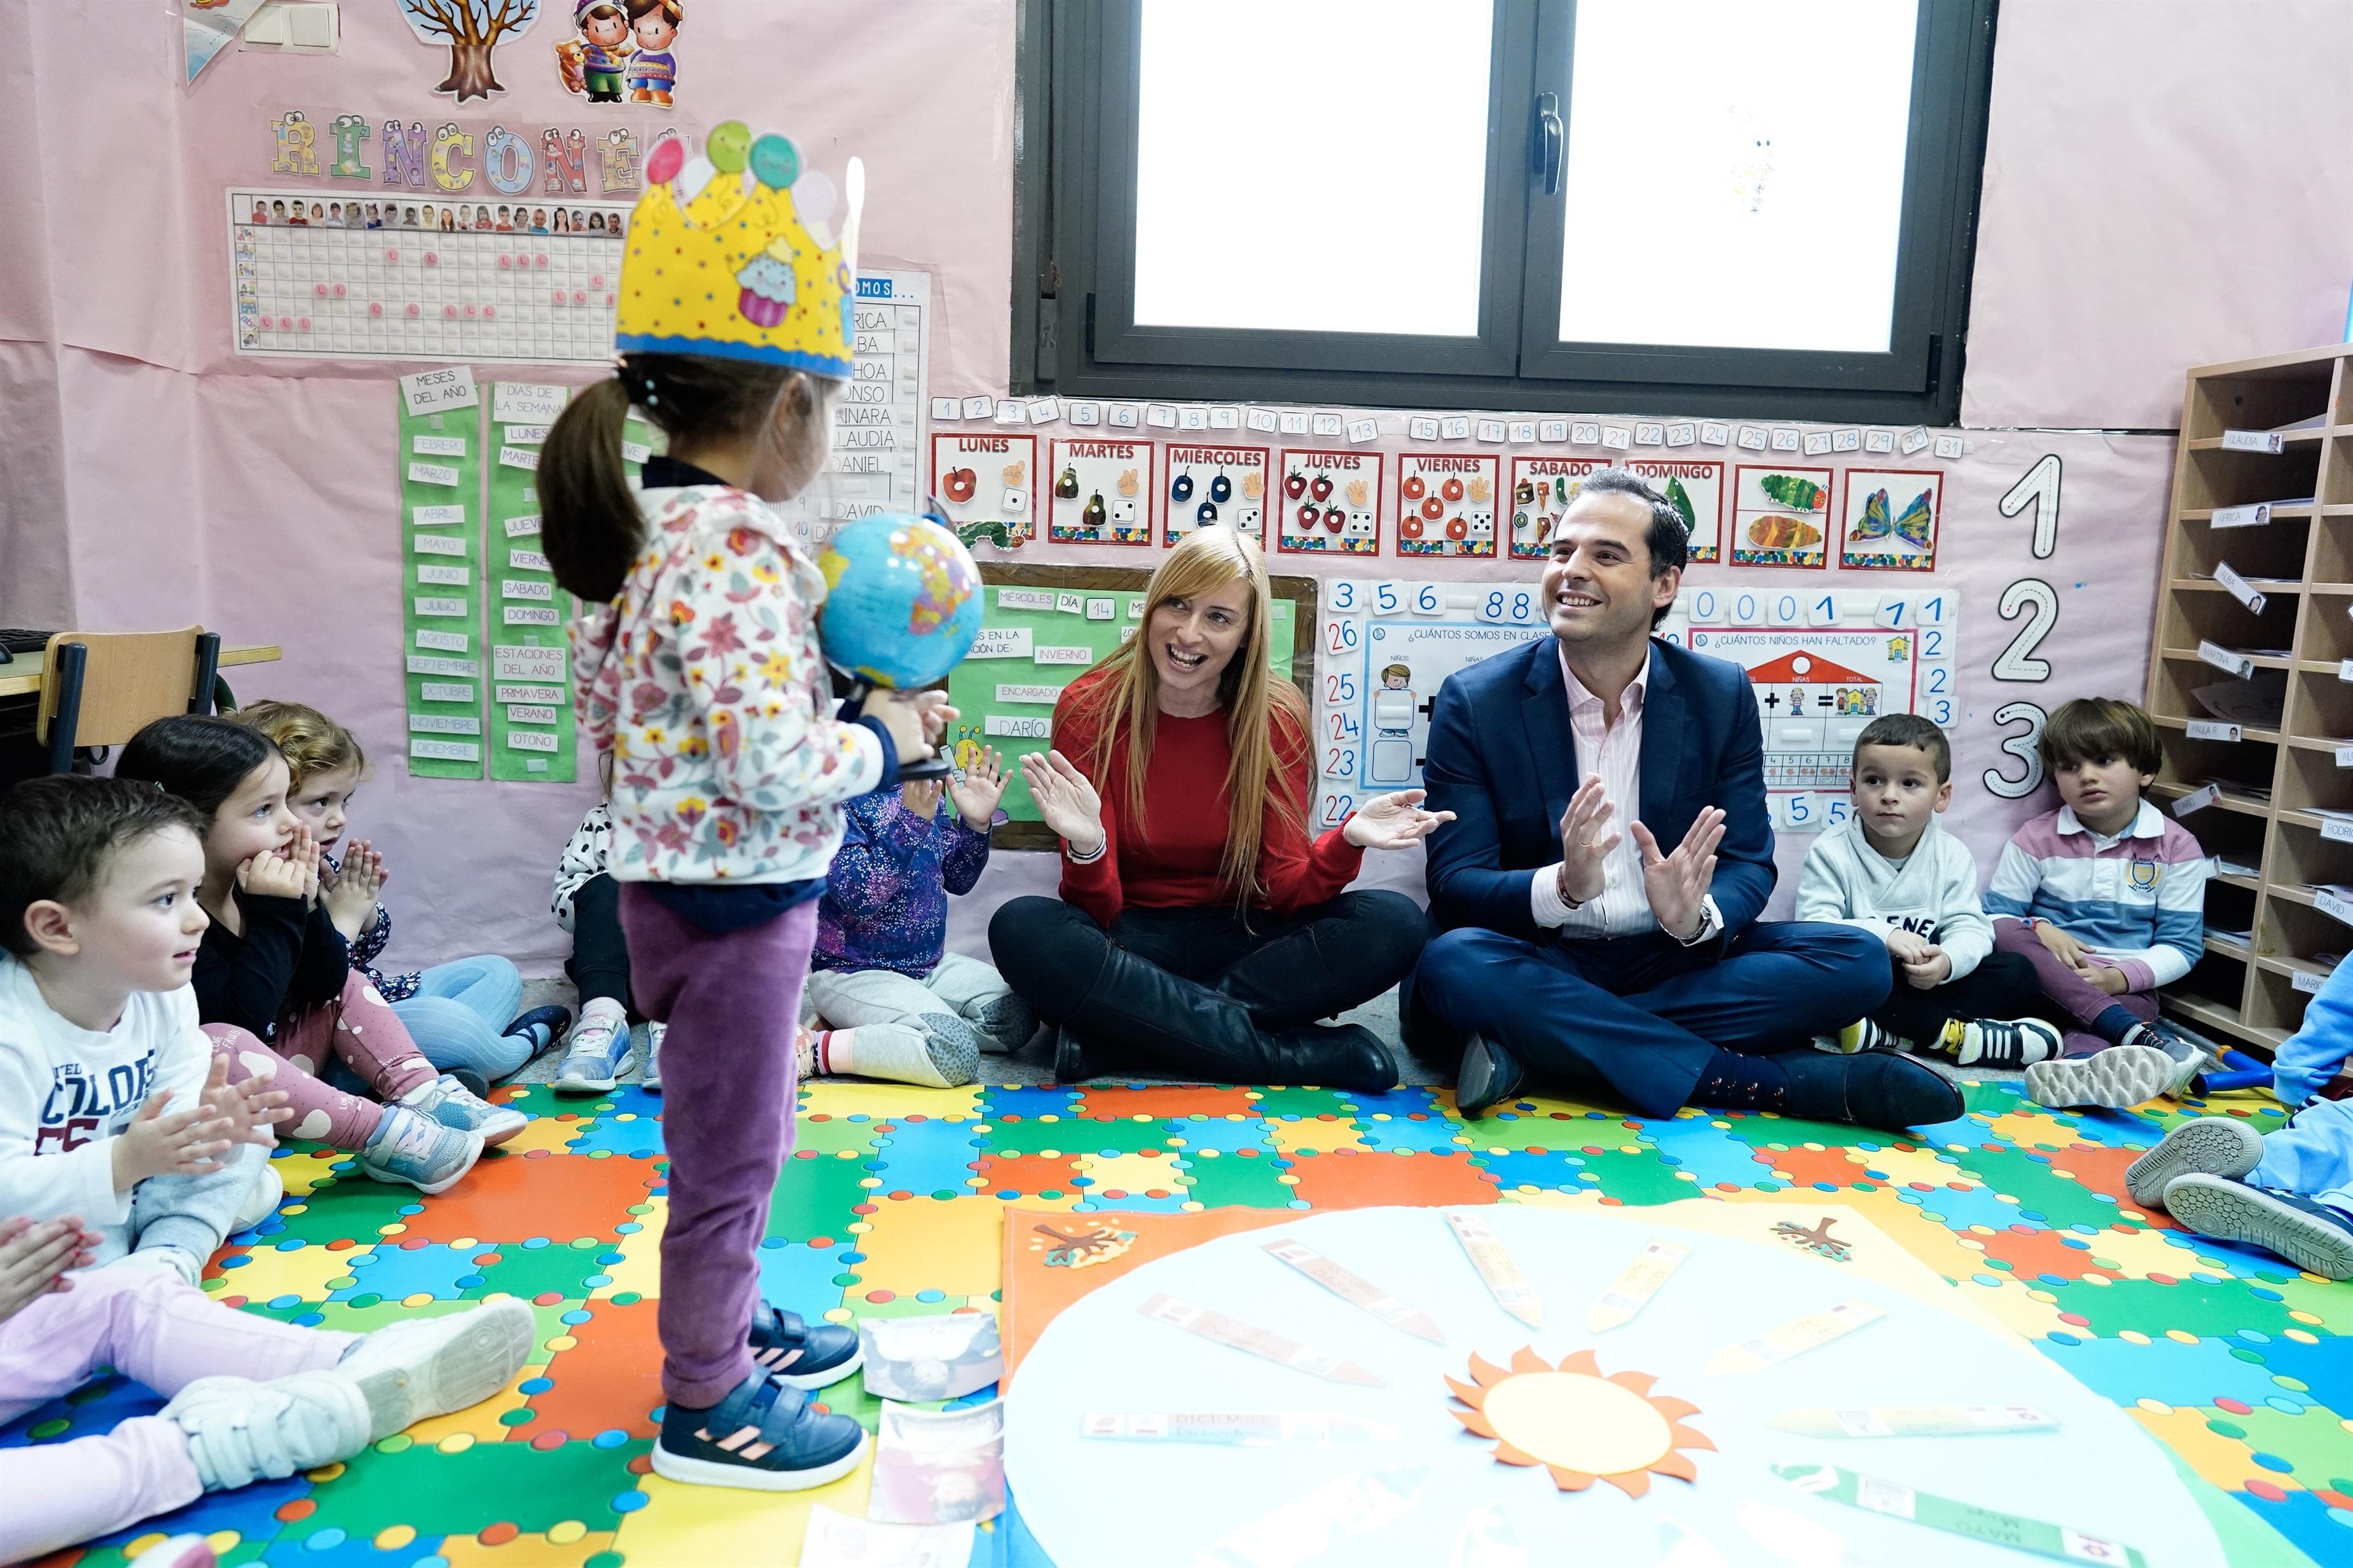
(1073, 332)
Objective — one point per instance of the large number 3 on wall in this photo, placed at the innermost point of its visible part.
(2017, 661)
(2024, 747)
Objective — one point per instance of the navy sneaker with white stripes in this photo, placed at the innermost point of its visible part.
(806, 1355)
(764, 1436)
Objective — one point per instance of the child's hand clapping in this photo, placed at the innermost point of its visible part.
(978, 790)
(184, 1143)
(922, 798)
(354, 890)
(34, 1258)
(251, 1109)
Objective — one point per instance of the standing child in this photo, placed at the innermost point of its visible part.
(461, 1014)
(698, 667)
(273, 965)
(2106, 897)
(903, 1008)
(587, 904)
(248, 1398)
(1893, 870)
(2289, 1191)
(652, 70)
(112, 1104)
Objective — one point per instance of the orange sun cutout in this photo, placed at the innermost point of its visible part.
(1576, 1423)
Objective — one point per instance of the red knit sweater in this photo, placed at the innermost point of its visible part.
(1171, 859)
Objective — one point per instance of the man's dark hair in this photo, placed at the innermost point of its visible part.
(58, 833)
(1913, 730)
(1668, 537)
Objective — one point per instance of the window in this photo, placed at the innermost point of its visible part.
(1590, 204)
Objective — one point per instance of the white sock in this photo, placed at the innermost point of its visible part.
(605, 1007)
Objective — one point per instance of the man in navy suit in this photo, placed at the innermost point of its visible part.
(1576, 945)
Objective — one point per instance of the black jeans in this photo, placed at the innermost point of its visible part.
(599, 964)
(2002, 986)
(1277, 973)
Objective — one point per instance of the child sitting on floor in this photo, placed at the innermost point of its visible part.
(249, 1398)
(1893, 870)
(461, 1014)
(2106, 897)
(112, 1105)
(273, 965)
(2289, 1191)
(902, 1007)
(587, 904)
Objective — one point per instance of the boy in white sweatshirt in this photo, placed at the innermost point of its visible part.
(1891, 869)
(111, 1105)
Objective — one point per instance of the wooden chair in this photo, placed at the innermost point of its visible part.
(98, 689)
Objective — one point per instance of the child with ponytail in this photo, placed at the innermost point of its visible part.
(696, 664)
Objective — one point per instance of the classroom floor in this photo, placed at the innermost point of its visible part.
(891, 1205)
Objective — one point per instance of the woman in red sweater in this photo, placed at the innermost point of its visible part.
(1200, 931)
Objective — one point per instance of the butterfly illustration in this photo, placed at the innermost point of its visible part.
(1917, 526)
(1872, 523)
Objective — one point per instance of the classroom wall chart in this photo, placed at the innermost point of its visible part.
(879, 418)
(506, 290)
(485, 656)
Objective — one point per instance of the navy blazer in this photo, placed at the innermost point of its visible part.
(1501, 757)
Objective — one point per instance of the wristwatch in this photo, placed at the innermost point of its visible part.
(1706, 925)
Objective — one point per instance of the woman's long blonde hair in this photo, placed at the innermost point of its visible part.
(1125, 701)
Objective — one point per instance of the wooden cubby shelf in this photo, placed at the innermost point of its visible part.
(2277, 781)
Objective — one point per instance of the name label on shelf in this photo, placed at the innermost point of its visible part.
(2345, 756)
(2254, 516)
(2197, 799)
(2220, 658)
(2251, 440)
(2332, 906)
(2212, 730)
(2238, 587)
(2308, 984)
(2337, 830)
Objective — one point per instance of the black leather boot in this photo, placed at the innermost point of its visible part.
(1138, 1017)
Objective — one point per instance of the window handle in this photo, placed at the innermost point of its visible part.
(1546, 138)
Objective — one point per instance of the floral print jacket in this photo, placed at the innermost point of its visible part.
(705, 680)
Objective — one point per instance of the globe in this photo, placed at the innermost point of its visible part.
(903, 601)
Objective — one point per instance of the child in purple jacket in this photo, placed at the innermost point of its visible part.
(901, 1007)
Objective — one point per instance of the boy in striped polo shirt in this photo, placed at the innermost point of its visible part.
(2106, 897)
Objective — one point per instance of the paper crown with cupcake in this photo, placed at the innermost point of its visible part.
(733, 255)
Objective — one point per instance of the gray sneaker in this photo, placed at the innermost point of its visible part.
(2116, 1079)
(2310, 1235)
(419, 1151)
(419, 1368)
(2211, 1145)
(452, 1104)
(592, 1061)
(650, 1078)
(241, 1432)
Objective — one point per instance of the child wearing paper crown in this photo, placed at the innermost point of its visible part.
(697, 666)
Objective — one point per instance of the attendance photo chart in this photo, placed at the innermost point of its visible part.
(1822, 666)
(393, 293)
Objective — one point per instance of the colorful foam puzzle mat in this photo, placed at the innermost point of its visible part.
(893, 1203)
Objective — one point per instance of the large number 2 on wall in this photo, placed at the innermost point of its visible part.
(2022, 747)
(2017, 661)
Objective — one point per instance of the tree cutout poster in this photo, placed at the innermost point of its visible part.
(470, 30)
